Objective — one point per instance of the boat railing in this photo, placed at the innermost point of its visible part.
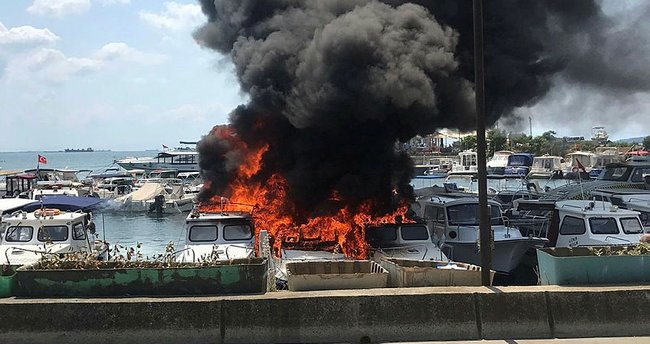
(188, 249)
(237, 246)
(15, 248)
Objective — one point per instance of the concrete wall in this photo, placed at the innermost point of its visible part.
(334, 316)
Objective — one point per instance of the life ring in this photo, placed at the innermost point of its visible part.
(575, 169)
(47, 212)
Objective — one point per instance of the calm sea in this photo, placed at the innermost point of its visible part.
(154, 232)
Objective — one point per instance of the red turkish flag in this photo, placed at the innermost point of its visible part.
(42, 159)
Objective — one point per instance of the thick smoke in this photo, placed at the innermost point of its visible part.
(333, 84)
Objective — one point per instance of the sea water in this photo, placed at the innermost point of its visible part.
(124, 229)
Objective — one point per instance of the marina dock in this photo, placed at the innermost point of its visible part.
(356, 316)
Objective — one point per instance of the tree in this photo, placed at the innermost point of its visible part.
(646, 142)
(468, 142)
(497, 141)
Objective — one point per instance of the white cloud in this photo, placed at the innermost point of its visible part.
(118, 51)
(175, 17)
(26, 36)
(48, 65)
(58, 8)
(114, 2)
(53, 66)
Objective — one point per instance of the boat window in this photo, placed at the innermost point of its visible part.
(237, 232)
(631, 225)
(572, 225)
(468, 215)
(645, 218)
(19, 234)
(430, 212)
(53, 233)
(78, 231)
(378, 236)
(202, 233)
(603, 225)
(637, 175)
(417, 232)
(620, 173)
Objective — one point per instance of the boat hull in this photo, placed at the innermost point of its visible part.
(506, 255)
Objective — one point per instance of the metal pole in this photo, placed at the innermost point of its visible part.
(485, 228)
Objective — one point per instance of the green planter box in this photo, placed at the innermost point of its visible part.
(580, 265)
(242, 276)
(7, 282)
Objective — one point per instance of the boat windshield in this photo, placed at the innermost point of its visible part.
(616, 173)
(237, 232)
(415, 232)
(53, 233)
(468, 215)
(19, 234)
(519, 160)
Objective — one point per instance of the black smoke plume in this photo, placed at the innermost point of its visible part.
(334, 84)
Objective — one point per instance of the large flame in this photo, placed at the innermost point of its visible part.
(272, 211)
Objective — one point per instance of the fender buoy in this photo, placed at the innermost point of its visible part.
(47, 212)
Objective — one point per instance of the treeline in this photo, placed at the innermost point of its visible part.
(547, 143)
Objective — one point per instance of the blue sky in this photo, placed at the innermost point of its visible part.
(110, 74)
(127, 75)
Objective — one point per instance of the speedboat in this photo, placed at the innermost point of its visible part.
(157, 196)
(498, 163)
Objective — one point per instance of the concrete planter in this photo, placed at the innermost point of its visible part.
(580, 265)
(243, 276)
(420, 273)
(326, 275)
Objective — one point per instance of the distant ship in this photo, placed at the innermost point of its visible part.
(69, 150)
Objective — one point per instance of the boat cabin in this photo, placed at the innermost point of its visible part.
(405, 241)
(52, 188)
(546, 166)
(217, 236)
(467, 163)
(593, 223)
(26, 237)
(519, 164)
(162, 174)
(181, 160)
(498, 163)
(454, 224)
(19, 184)
(586, 159)
(632, 199)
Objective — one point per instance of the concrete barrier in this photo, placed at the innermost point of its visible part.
(413, 314)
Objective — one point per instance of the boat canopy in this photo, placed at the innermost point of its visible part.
(10, 204)
(66, 203)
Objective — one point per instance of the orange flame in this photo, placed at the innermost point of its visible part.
(342, 232)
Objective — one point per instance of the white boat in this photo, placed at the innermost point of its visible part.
(9, 205)
(60, 188)
(456, 220)
(498, 163)
(467, 163)
(182, 160)
(577, 159)
(217, 236)
(593, 223)
(410, 241)
(546, 167)
(27, 237)
(166, 196)
(632, 199)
